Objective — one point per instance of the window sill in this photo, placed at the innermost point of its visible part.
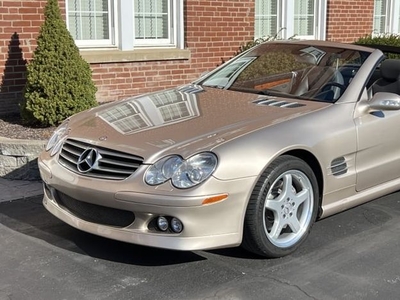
(114, 56)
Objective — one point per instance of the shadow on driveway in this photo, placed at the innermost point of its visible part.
(29, 217)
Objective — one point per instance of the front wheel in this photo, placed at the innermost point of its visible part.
(282, 208)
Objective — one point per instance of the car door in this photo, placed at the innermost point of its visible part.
(378, 154)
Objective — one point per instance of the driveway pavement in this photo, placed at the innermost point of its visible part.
(352, 255)
(19, 189)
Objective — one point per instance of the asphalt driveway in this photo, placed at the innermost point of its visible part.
(352, 255)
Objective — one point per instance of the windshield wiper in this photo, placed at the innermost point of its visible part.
(251, 90)
(216, 86)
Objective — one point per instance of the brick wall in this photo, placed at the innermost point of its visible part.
(347, 20)
(19, 27)
(214, 30)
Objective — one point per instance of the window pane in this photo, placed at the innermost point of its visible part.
(266, 18)
(398, 25)
(304, 17)
(125, 118)
(89, 19)
(379, 16)
(171, 106)
(151, 19)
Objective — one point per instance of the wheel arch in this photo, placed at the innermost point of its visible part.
(314, 164)
(251, 239)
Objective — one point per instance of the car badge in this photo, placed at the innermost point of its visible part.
(88, 160)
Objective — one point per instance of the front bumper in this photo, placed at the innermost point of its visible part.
(206, 226)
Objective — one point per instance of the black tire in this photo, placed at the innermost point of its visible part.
(282, 208)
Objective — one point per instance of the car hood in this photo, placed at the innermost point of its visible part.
(182, 121)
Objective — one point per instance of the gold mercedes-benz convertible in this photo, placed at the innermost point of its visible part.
(251, 154)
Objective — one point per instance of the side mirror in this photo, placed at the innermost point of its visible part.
(384, 101)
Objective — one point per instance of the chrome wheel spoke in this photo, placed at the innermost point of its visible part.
(273, 205)
(276, 230)
(294, 224)
(287, 185)
(302, 196)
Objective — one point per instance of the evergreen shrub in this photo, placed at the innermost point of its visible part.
(59, 81)
(386, 39)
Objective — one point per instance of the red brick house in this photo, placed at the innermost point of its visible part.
(137, 46)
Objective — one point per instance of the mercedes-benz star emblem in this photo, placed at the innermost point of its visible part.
(88, 160)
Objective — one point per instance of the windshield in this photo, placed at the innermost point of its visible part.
(290, 70)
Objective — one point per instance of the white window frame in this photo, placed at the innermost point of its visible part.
(160, 41)
(278, 19)
(122, 28)
(391, 15)
(285, 20)
(101, 42)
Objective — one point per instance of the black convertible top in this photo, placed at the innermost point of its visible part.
(384, 48)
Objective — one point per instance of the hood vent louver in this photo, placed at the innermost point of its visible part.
(191, 89)
(278, 103)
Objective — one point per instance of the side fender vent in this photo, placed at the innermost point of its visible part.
(339, 166)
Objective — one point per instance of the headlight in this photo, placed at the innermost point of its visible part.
(163, 170)
(182, 173)
(55, 142)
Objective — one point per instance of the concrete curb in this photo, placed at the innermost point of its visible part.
(18, 158)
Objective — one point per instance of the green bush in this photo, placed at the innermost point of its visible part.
(260, 40)
(252, 43)
(386, 39)
(271, 63)
(59, 81)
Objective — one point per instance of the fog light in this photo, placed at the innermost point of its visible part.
(162, 223)
(176, 225)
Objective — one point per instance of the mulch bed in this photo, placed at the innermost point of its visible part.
(13, 128)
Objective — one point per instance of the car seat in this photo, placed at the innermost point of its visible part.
(322, 83)
(390, 77)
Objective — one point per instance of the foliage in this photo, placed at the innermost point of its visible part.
(386, 39)
(260, 40)
(271, 63)
(252, 43)
(59, 81)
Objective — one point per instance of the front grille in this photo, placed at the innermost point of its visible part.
(113, 165)
(95, 213)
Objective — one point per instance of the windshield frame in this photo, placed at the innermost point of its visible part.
(306, 63)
